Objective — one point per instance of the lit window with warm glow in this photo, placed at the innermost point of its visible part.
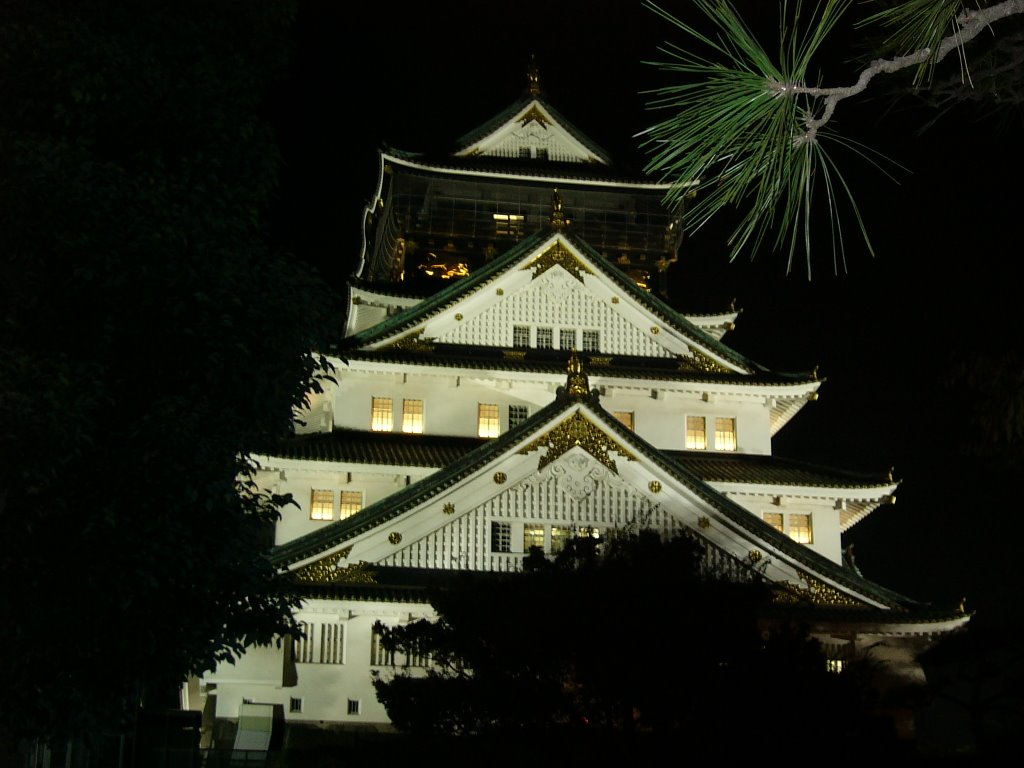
(533, 536)
(517, 414)
(508, 223)
(487, 422)
(725, 434)
(412, 416)
(545, 338)
(321, 506)
(835, 666)
(626, 417)
(567, 338)
(774, 519)
(351, 502)
(800, 529)
(696, 433)
(381, 416)
(559, 536)
(591, 341)
(520, 336)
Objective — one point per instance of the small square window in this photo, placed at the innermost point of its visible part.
(696, 433)
(545, 338)
(487, 420)
(501, 537)
(351, 502)
(381, 416)
(294, 705)
(520, 336)
(412, 416)
(321, 506)
(774, 519)
(517, 414)
(354, 706)
(626, 417)
(508, 224)
(591, 341)
(567, 338)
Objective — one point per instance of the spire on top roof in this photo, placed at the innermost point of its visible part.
(533, 77)
(558, 219)
(576, 385)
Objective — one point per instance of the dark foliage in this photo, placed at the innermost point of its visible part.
(151, 338)
(631, 638)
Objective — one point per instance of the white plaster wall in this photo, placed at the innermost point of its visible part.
(824, 519)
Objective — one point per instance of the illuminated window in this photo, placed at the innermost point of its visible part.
(725, 434)
(774, 519)
(321, 506)
(567, 338)
(517, 414)
(626, 417)
(591, 341)
(412, 416)
(800, 529)
(545, 338)
(381, 416)
(696, 433)
(501, 537)
(487, 422)
(294, 705)
(354, 706)
(322, 644)
(533, 536)
(351, 502)
(835, 666)
(558, 538)
(508, 223)
(520, 336)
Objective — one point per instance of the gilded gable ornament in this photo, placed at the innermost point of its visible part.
(413, 342)
(328, 571)
(816, 592)
(698, 361)
(558, 256)
(577, 430)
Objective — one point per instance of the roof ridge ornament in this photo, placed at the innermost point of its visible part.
(533, 77)
(558, 218)
(577, 385)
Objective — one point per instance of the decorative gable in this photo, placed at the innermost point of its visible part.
(533, 132)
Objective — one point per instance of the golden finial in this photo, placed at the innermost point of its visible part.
(576, 384)
(891, 470)
(533, 77)
(558, 219)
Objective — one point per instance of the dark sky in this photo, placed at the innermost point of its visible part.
(886, 333)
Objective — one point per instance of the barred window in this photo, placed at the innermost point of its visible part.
(379, 655)
(321, 505)
(322, 644)
(696, 433)
(488, 423)
(558, 538)
(381, 416)
(725, 434)
(567, 338)
(533, 536)
(520, 336)
(591, 341)
(517, 414)
(800, 528)
(545, 338)
(412, 416)
(294, 705)
(501, 537)
(354, 706)
(351, 502)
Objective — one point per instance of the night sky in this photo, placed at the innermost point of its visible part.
(884, 334)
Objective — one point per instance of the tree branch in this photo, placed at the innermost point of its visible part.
(971, 23)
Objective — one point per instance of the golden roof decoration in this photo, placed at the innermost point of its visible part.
(560, 256)
(578, 430)
(533, 77)
(576, 384)
(558, 219)
(327, 570)
(816, 592)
